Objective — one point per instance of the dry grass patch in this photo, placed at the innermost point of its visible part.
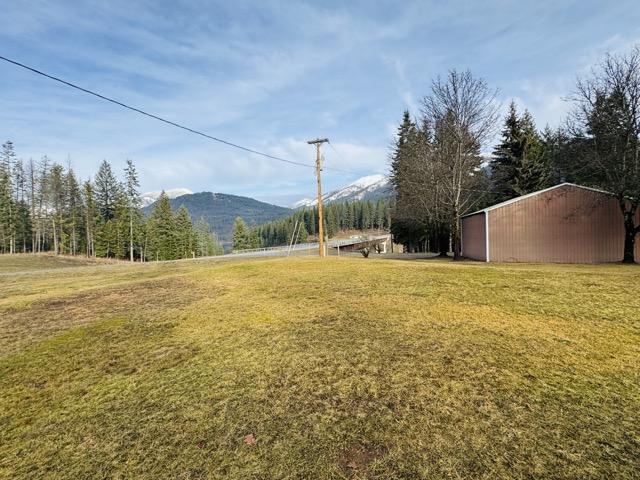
(347, 368)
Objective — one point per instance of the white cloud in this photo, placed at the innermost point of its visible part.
(269, 76)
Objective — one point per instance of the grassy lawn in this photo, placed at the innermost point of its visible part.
(297, 368)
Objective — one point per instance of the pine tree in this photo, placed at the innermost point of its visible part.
(206, 242)
(40, 201)
(532, 172)
(184, 233)
(106, 191)
(56, 203)
(132, 193)
(254, 238)
(162, 231)
(519, 166)
(90, 215)
(73, 210)
(240, 235)
(22, 214)
(408, 225)
(7, 203)
(505, 157)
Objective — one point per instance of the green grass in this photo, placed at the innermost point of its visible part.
(345, 368)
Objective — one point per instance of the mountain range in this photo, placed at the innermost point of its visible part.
(220, 209)
(150, 197)
(371, 187)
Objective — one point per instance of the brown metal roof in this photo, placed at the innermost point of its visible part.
(529, 195)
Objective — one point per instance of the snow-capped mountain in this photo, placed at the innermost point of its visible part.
(305, 202)
(150, 197)
(370, 187)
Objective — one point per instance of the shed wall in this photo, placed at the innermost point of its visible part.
(566, 225)
(474, 237)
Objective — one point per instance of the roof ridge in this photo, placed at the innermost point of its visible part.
(532, 194)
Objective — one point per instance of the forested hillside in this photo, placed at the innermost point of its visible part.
(358, 215)
(45, 208)
(220, 210)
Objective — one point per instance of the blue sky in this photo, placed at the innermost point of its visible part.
(271, 75)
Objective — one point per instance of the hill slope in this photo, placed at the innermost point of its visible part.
(220, 210)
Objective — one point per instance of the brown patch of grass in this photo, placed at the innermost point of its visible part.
(356, 461)
(341, 368)
(28, 262)
(23, 325)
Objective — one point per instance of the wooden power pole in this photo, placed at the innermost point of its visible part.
(317, 142)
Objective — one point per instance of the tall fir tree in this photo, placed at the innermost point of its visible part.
(162, 231)
(241, 239)
(519, 165)
(7, 202)
(132, 194)
(73, 211)
(90, 214)
(505, 157)
(106, 191)
(184, 233)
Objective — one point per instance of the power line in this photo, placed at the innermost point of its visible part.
(156, 117)
(342, 159)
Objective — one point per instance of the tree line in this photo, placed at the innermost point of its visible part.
(439, 173)
(45, 208)
(338, 217)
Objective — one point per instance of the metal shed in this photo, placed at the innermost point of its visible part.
(567, 223)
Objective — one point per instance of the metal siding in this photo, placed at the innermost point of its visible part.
(473, 237)
(565, 225)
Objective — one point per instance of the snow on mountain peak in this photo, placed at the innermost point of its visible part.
(369, 187)
(149, 197)
(305, 202)
(368, 181)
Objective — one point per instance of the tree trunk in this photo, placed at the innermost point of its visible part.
(455, 235)
(55, 236)
(443, 241)
(630, 232)
(131, 236)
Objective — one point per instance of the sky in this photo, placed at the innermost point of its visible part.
(271, 75)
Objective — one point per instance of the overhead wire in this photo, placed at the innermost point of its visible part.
(151, 115)
(176, 124)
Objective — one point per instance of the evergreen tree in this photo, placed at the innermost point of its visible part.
(241, 239)
(505, 157)
(254, 238)
(408, 160)
(44, 208)
(206, 243)
(184, 233)
(7, 203)
(519, 165)
(162, 231)
(532, 172)
(90, 213)
(56, 202)
(106, 191)
(132, 193)
(73, 211)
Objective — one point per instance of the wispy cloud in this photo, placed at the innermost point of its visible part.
(271, 75)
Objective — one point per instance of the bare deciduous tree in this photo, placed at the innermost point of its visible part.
(461, 114)
(607, 115)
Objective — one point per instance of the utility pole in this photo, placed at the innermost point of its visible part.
(317, 142)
